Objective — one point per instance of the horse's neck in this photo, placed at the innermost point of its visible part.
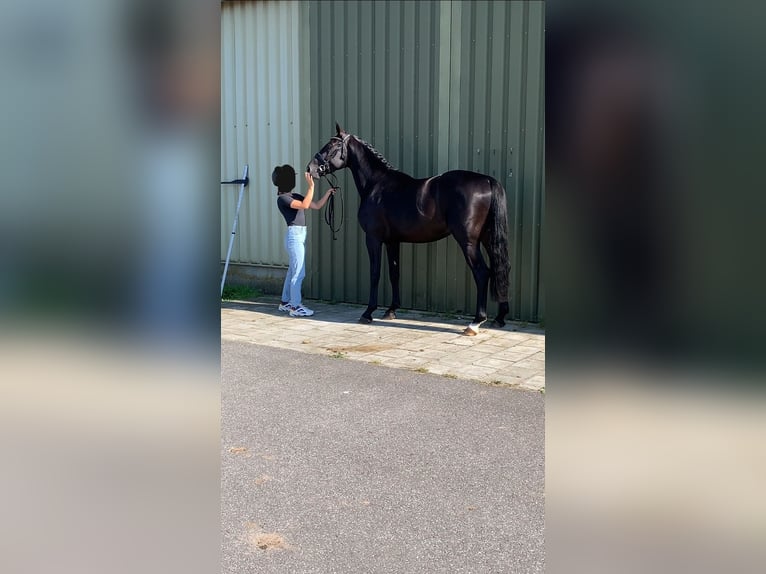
(365, 167)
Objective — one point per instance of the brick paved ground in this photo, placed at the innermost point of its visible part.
(513, 356)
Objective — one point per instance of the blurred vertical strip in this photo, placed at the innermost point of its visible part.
(656, 324)
(651, 157)
(109, 172)
(109, 267)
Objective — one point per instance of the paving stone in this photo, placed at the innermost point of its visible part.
(514, 355)
(409, 362)
(438, 368)
(474, 372)
(518, 373)
(393, 353)
(495, 363)
(535, 383)
(431, 354)
(530, 364)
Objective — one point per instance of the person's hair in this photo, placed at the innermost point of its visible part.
(283, 177)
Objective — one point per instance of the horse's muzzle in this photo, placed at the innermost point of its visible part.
(322, 165)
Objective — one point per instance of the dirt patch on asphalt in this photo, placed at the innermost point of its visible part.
(265, 541)
(269, 541)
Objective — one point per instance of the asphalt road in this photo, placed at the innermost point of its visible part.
(337, 466)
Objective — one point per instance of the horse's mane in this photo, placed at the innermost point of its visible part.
(375, 153)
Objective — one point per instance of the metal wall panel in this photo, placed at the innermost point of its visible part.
(433, 86)
(262, 96)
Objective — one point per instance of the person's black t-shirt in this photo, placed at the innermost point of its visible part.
(292, 216)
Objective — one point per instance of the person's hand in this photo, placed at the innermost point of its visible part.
(309, 180)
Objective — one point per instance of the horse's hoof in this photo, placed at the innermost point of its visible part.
(365, 320)
(389, 315)
(497, 324)
(470, 332)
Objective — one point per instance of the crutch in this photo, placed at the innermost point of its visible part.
(243, 184)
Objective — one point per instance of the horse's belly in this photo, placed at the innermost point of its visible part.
(401, 228)
(421, 233)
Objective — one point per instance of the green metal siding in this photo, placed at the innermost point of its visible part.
(264, 103)
(433, 86)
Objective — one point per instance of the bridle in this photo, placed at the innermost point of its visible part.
(323, 165)
(324, 170)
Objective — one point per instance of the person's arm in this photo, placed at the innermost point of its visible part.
(306, 203)
(320, 204)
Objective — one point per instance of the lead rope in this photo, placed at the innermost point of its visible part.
(329, 210)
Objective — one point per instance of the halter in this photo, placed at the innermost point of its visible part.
(323, 165)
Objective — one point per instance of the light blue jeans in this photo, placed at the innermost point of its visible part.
(295, 243)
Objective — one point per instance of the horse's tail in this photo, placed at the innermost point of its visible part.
(497, 244)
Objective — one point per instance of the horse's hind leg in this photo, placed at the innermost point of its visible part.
(392, 250)
(502, 311)
(502, 295)
(480, 271)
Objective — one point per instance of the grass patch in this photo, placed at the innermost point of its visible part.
(338, 355)
(421, 370)
(450, 375)
(240, 292)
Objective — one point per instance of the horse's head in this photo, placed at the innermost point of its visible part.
(332, 157)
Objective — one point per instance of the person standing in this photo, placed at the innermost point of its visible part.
(292, 206)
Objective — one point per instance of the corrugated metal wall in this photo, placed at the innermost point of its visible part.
(432, 85)
(264, 117)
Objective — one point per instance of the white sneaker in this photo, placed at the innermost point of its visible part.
(284, 307)
(301, 311)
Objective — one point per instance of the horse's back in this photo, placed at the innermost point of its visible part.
(461, 177)
(459, 186)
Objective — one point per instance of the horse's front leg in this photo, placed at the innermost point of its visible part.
(374, 250)
(392, 250)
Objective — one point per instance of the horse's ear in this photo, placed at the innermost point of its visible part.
(338, 128)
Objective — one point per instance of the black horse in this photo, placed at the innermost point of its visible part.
(396, 208)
